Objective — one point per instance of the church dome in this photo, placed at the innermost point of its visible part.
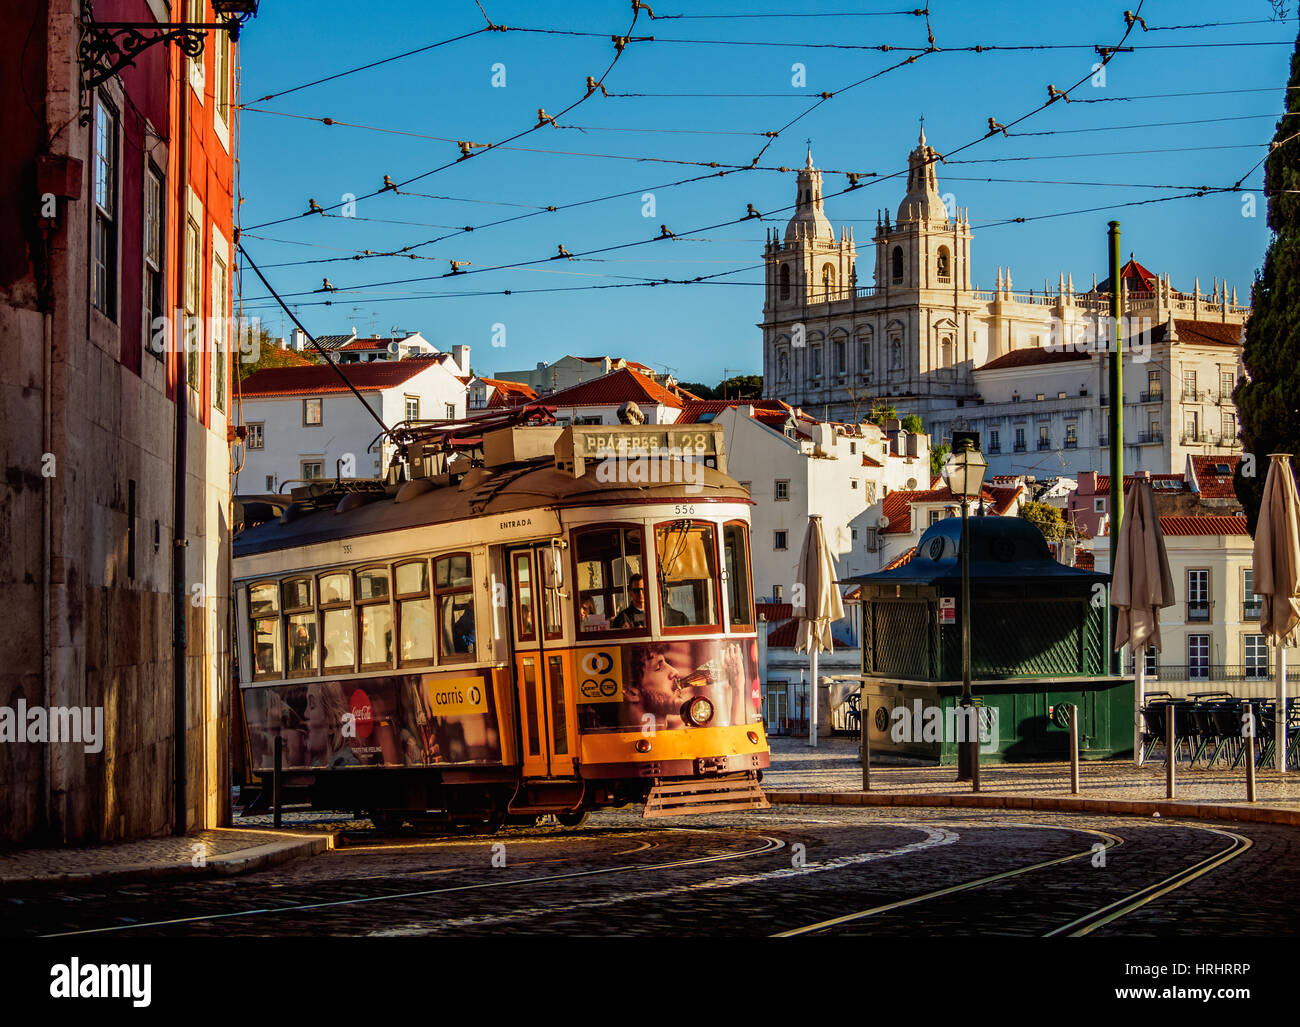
(922, 200)
(809, 220)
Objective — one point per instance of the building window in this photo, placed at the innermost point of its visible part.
(1250, 603)
(1198, 594)
(1044, 436)
(853, 483)
(221, 76)
(1189, 385)
(1229, 426)
(104, 254)
(1192, 425)
(155, 288)
(1071, 435)
(313, 469)
(193, 292)
(1020, 440)
(270, 483)
(1198, 656)
(312, 414)
(897, 261)
(256, 437)
(218, 329)
(816, 361)
(995, 441)
(450, 410)
(1153, 384)
(828, 280)
(841, 358)
(1227, 382)
(778, 540)
(782, 490)
(942, 266)
(784, 282)
(412, 408)
(1255, 657)
(936, 516)
(1099, 506)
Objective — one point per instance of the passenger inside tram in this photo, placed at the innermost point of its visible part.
(632, 615)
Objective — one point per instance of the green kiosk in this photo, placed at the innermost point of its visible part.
(1039, 640)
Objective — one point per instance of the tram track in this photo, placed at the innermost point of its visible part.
(769, 845)
(1081, 925)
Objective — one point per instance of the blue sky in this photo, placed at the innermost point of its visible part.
(699, 331)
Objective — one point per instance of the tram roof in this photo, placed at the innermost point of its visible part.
(499, 491)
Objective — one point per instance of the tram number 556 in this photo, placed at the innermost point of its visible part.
(684, 510)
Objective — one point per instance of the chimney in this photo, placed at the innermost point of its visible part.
(460, 354)
(298, 340)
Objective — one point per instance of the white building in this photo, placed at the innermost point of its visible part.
(569, 371)
(303, 422)
(354, 349)
(795, 466)
(997, 361)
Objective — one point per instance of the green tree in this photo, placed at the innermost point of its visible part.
(938, 457)
(882, 412)
(267, 354)
(912, 423)
(1050, 520)
(740, 386)
(698, 388)
(1268, 396)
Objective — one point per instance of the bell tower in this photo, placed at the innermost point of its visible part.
(808, 265)
(927, 246)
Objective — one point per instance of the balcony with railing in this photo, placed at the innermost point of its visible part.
(1153, 396)
(1198, 610)
(1151, 438)
(1019, 447)
(1071, 443)
(1251, 609)
(1044, 444)
(1218, 673)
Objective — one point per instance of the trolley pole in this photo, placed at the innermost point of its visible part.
(1116, 419)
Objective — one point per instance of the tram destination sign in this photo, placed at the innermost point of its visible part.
(580, 443)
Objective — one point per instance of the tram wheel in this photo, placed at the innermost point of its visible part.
(387, 823)
(574, 819)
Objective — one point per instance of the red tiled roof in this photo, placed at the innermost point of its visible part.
(901, 561)
(870, 462)
(1103, 483)
(369, 344)
(1212, 484)
(1200, 333)
(318, 379)
(769, 411)
(1003, 496)
(1135, 277)
(1031, 356)
(897, 505)
(786, 635)
(1204, 524)
(615, 388)
(775, 611)
(614, 360)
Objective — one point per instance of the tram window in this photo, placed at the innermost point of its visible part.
(414, 613)
(607, 560)
(335, 588)
(297, 594)
(525, 622)
(412, 578)
(552, 620)
(374, 618)
(262, 599)
(266, 647)
(559, 720)
(688, 574)
(736, 555)
(340, 650)
(454, 601)
(302, 644)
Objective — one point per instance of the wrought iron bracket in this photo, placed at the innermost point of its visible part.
(106, 47)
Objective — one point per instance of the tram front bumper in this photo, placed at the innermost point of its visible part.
(686, 752)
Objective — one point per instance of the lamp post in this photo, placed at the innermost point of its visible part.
(964, 474)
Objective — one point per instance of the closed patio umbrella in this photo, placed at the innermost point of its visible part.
(822, 605)
(1141, 586)
(1276, 578)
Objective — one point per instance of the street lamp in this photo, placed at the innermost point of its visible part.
(964, 474)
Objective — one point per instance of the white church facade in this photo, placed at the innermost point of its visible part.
(1024, 368)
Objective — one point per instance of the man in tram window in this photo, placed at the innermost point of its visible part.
(632, 615)
(463, 630)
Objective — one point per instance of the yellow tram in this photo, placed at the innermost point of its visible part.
(541, 620)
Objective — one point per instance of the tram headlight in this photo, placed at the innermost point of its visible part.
(752, 736)
(699, 711)
(642, 745)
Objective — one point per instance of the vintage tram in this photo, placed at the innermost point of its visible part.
(537, 620)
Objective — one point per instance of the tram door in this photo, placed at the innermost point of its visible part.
(547, 719)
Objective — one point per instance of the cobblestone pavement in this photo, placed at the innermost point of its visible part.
(723, 875)
(835, 766)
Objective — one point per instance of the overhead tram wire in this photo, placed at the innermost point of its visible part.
(1107, 57)
(621, 43)
(312, 339)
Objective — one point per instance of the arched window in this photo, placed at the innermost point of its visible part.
(945, 352)
(898, 265)
(828, 280)
(943, 265)
(784, 282)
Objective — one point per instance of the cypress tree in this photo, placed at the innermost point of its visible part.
(1268, 397)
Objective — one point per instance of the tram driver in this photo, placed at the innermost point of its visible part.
(632, 615)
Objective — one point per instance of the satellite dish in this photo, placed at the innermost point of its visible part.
(393, 348)
(883, 523)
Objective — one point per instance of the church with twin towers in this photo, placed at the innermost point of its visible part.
(1020, 366)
